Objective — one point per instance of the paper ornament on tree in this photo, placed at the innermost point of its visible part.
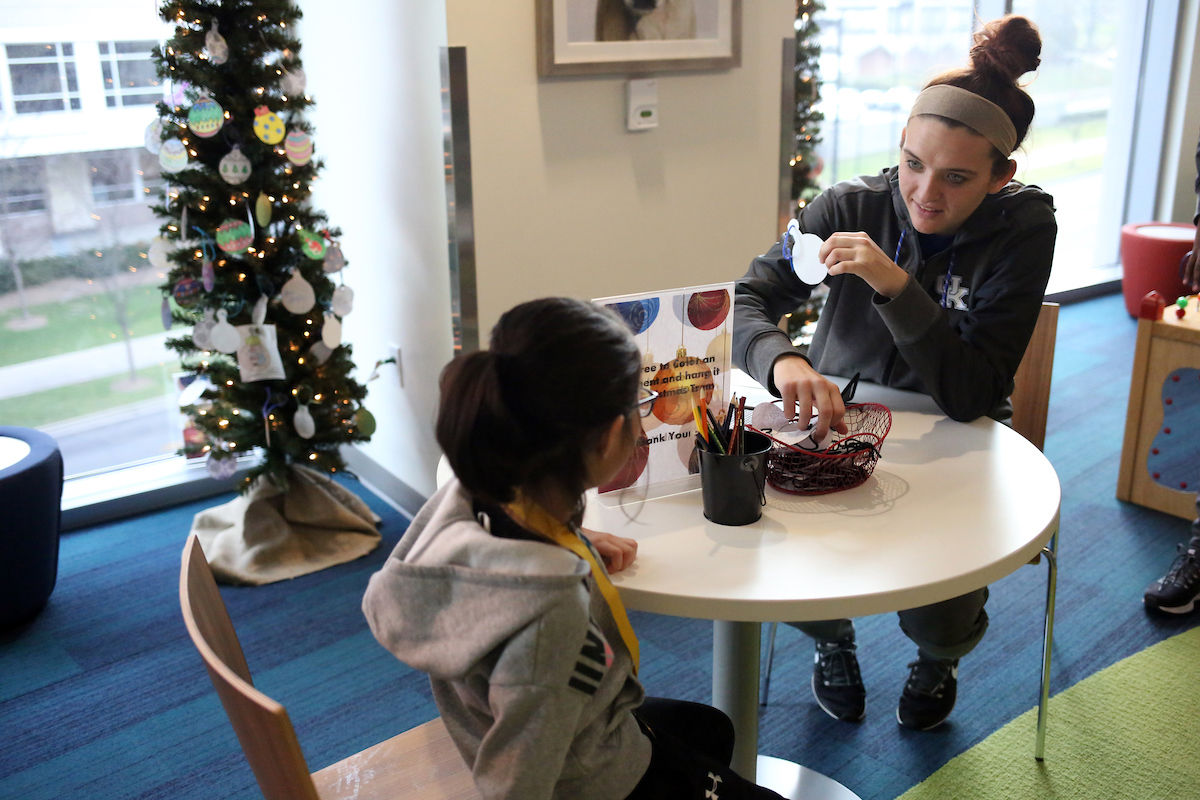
(334, 260)
(331, 331)
(299, 147)
(235, 167)
(166, 314)
(234, 236)
(258, 354)
(311, 244)
(157, 254)
(293, 82)
(297, 294)
(303, 422)
(206, 117)
(214, 43)
(365, 422)
(268, 127)
(320, 352)
(224, 337)
(202, 331)
(153, 137)
(173, 156)
(187, 291)
(221, 466)
(208, 275)
(343, 300)
(262, 210)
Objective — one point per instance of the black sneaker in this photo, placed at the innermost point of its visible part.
(929, 695)
(1175, 592)
(837, 683)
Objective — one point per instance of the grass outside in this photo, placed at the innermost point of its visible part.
(78, 324)
(67, 402)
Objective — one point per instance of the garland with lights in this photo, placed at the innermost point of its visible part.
(248, 262)
(806, 164)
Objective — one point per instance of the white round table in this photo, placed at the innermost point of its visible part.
(950, 508)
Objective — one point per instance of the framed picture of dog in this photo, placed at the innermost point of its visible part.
(600, 37)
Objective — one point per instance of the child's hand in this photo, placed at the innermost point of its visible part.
(617, 552)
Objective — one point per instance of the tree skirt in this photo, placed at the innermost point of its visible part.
(270, 534)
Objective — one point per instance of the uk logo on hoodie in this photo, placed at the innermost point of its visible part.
(595, 657)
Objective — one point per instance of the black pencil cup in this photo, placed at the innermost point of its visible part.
(734, 487)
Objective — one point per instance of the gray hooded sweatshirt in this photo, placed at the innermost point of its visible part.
(528, 669)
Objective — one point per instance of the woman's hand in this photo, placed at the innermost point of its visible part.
(1191, 272)
(802, 388)
(617, 551)
(857, 254)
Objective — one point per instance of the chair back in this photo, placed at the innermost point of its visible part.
(1031, 396)
(261, 724)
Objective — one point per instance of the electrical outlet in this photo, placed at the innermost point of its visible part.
(393, 351)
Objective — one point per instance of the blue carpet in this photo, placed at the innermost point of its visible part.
(103, 696)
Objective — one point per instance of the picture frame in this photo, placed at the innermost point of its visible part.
(583, 37)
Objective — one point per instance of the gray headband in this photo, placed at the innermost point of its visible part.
(977, 113)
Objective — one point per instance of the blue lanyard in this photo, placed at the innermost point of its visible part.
(949, 268)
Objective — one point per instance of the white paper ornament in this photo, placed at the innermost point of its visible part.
(303, 422)
(173, 156)
(343, 300)
(190, 396)
(214, 43)
(293, 82)
(153, 138)
(224, 337)
(297, 294)
(157, 254)
(334, 260)
(320, 352)
(235, 167)
(202, 332)
(331, 331)
(258, 355)
(806, 261)
(221, 467)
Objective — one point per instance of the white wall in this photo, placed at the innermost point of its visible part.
(567, 202)
(373, 70)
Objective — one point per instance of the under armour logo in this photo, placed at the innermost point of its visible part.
(711, 794)
(955, 296)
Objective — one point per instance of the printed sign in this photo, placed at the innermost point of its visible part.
(686, 338)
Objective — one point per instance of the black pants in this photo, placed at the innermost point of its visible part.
(693, 744)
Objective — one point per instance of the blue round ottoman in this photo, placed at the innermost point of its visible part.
(31, 481)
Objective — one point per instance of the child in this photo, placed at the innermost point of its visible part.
(497, 594)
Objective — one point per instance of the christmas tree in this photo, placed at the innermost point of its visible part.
(248, 260)
(806, 165)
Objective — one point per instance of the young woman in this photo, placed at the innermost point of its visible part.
(496, 592)
(937, 268)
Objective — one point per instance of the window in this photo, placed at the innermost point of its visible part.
(129, 76)
(21, 186)
(43, 77)
(112, 176)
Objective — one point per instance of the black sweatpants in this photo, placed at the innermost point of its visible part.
(693, 745)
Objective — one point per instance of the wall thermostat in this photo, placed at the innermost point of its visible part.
(641, 104)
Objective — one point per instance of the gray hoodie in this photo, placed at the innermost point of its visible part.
(528, 669)
(962, 351)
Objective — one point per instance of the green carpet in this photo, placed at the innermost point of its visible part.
(1131, 730)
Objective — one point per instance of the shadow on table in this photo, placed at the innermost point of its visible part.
(876, 496)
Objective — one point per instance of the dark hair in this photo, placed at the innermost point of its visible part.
(1004, 50)
(523, 413)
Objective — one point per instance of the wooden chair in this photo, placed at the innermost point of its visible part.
(1031, 403)
(420, 763)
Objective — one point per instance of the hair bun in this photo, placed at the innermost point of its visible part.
(1010, 46)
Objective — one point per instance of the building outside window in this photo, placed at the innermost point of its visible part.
(22, 186)
(43, 77)
(129, 77)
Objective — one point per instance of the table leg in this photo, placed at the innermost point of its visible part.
(735, 687)
(735, 691)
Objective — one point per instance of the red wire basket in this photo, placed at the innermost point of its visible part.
(796, 471)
